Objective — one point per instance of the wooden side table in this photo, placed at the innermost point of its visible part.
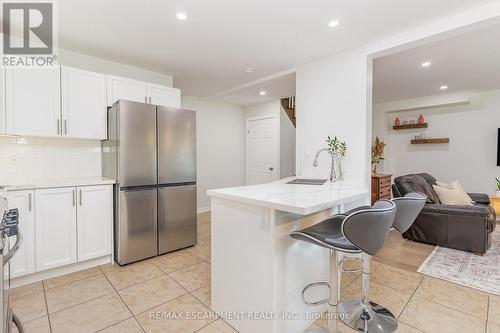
(381, 187)
(495, 203)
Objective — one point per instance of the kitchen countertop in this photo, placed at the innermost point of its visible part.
(298, 199)
(59, 182)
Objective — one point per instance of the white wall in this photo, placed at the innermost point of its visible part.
(332, 97)
(220, 139)
(287, 146)
(99, 65)
(263, 109)
(470, 156)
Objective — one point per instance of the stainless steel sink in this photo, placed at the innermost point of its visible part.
(299, 181)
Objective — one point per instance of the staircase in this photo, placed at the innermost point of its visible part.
(288, 105)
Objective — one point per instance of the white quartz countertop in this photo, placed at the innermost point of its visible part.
(58, 182)
(298, 199)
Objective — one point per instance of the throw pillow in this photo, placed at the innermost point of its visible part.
(451, 196)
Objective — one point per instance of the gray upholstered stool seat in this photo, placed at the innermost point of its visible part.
(328, 234)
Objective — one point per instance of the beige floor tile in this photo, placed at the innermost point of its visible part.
(392, 299)
(493, 328)
(183, 306)
(314, 327)
(175, 261)
(127, 326)
(80, 275)
(348, 278)
(29, 307)
(494, 309)
(28, 289)
(432, 317)
(454, 296)
(90, 316)
(341, 327)
(193, 277)
(203, 295)
(202, 249)
(143, 296)
(396, 278)
(218, 326)
(77, 292)
(125, 276)
(40, 325)
(109, 267)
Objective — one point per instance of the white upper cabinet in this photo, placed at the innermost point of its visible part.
(32, 102)
(83, 104)
(166, 96)
(24, 261)
(122, 88)
(55, 236)
(95, 217)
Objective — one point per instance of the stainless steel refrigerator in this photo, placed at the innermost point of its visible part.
(151, 152)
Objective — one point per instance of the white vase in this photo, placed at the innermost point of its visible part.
(497, 194)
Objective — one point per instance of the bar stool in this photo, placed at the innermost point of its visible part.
(361, 231)
(366, 316)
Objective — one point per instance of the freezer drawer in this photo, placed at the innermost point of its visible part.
(136, 227)
(176, 145)
(176, 217)
(137, 144)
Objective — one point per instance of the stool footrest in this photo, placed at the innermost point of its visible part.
(312, 285)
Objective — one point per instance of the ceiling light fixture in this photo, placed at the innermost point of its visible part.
(426, 64)
(443, 87)
(181, 16)
(248, 70)
(262, 93)
(333, 23)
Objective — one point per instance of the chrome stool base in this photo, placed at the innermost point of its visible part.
(371, 319)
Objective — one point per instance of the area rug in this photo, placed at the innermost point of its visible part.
(478, 272)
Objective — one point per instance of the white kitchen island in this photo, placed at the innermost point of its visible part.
(258, 270)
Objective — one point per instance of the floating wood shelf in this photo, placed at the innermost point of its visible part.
(409, 126)
(429, 141)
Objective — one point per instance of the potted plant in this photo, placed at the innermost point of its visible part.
(377, 154)
(497, 193)
(338, 149)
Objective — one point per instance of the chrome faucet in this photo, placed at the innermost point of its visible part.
(332, 170)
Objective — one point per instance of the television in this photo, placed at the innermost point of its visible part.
(498, 149)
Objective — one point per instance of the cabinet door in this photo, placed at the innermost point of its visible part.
(166, 96)
(32, 102)
(130, 90)
(95, 219)
(24, 261)
(55, 216)
(83, 96)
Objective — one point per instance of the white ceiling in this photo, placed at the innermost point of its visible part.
(206, 53)
(470, 61)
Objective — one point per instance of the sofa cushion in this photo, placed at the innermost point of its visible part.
(452, 196)
(417, 183)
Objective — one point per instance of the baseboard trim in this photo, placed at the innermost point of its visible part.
(203, 210)
(58, 271)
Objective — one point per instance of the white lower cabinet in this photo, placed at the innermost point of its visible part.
(62, 226)
(94, 216)
(55, 227)
(24, 261)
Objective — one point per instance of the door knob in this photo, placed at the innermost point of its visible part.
(271, 168)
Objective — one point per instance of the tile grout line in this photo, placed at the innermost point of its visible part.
(47, 306)
(76, 280)
(126, 305)
(406, 306)
(487, 315)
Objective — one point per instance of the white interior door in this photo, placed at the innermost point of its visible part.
(262, 150)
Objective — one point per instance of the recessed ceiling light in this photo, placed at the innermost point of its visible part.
(248, 70)
(181, 16)
(333, 23)
(262, 93)
(443, 87)
(426, 64)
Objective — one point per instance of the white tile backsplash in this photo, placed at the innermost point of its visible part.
(24, 160)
